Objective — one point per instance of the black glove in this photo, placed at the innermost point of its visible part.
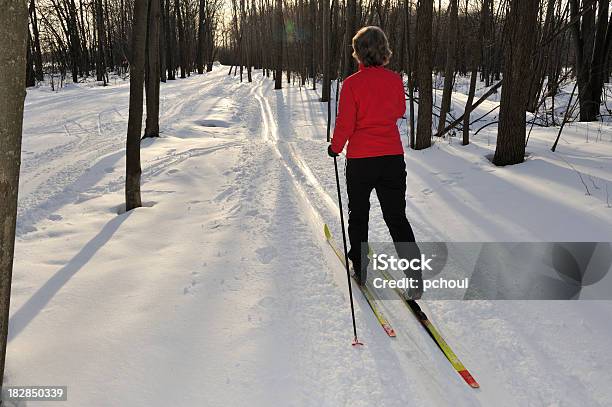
(330, 152)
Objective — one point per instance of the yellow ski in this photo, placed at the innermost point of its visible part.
(365, 290)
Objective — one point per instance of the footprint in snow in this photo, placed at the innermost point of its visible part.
(427, 191)
(266, 254)
(224, 194)
(266, 302)
(253, 212)
(190, 287)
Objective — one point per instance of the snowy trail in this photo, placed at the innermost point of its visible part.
(412, 347)
(222, 290)
(298, 110)
(422, 387)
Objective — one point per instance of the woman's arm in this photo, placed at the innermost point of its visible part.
(347, 116)
(401, 99)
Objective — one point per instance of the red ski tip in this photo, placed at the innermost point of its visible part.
(389, 331)
(469, 379)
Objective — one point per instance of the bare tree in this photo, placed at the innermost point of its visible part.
(449, 71)
(100, 55)
(474, 53)
(592, 43)
(152, 71)
(132, 166)
(280, 34)
(349, 32)
(424, 69)
(182, 40)
(313, 49)
(326, 23)
(521, 26)
(13, 48)
(170, 40)
(36, 42)
(201, 35)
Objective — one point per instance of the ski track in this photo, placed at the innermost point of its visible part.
(510, 373)
(407, 351)
(278, 177)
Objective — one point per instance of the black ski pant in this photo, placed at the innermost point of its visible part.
(386, 175)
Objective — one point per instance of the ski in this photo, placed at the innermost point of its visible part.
(435, 335)
(368, 295)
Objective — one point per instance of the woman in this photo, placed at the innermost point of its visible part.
(371, 102)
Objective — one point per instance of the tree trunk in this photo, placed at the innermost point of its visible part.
(424, 69)
(601, 51)
(30, 76)
(152, 71)
(132, 167)
(280, 33)
(521, 30)
(313, 49)
(449, 70)
(468, 105)
(75, 46)
(13, 48)
(100, 59)
(410, 73)
(592, 42)
(475, 57)
(38, 68)
(170, 41)
(162, 41)
(326, 63)
(201, 33)
(349, 32)
(182, 40)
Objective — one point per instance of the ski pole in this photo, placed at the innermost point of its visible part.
(346, 264)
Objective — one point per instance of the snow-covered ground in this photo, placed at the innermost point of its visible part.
(222, 290)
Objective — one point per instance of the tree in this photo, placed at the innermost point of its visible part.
(100, 58)
(449, 71)
(592, 43)
(474, 52)
(162, 41)
(424, 69)
(201, 35)
(410, 54)
(349, 32)
(170, 40)
(75, 42)
(152, 74)
(132, 166)
(326, 22)
(313, 64)
(30, 75)
(182, 39)
(521, 29)
(280, 34)
(38, 71)
(13, 49)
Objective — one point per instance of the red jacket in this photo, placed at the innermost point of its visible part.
(371, 102)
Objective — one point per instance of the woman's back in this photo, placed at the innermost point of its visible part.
(371, 101)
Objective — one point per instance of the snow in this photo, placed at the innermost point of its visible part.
(222, 291)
